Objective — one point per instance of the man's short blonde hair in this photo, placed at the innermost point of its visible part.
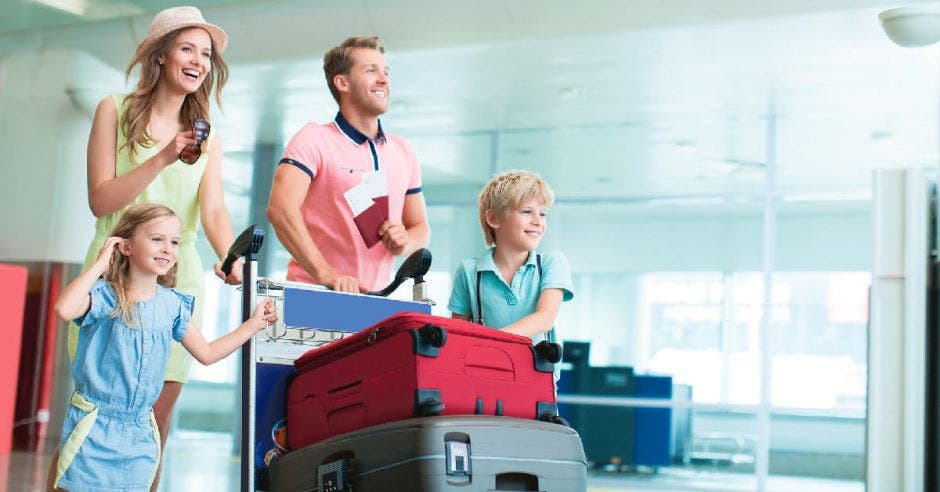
(507, 191)
(339, 60)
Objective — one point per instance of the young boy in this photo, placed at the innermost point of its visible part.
(520, 290)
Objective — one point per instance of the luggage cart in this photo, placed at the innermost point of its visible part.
(308, 316)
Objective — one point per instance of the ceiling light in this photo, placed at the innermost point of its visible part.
(685, 200)
(912, 27)
(85, 99)
(74, 7)
(685, 145)
(572, 92)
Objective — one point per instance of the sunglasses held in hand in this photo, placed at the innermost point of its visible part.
(191, 153)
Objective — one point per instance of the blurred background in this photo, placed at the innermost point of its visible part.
(715, 164)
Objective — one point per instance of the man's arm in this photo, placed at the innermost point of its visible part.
(284, 212)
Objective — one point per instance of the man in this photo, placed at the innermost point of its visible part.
(310, 206)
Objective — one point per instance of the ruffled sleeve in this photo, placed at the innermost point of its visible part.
(186, 305)
(103, 302)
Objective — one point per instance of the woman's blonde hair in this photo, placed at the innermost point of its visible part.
(139, 103)
(507, 191)
(116, 275)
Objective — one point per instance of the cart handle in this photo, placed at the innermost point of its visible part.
(415, 266)
(247, 244)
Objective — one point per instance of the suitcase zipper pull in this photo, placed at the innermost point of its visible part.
(373, 335)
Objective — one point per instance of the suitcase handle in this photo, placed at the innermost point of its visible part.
(490, 363)
(345, 389)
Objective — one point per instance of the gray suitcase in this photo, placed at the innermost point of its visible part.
(466, 453)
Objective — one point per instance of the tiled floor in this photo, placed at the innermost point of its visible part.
(201, 462)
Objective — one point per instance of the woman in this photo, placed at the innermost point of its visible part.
(140, 149)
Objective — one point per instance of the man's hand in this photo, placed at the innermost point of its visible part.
(340, 283)
(394, 236)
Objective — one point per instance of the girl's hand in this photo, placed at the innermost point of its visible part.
(265, 314)
(106, 253)
(171, 152)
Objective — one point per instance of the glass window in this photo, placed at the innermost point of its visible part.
(818, 336)
(682, 312)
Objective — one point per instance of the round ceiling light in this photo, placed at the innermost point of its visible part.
(913, 26)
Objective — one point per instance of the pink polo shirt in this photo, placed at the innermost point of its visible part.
(336, 156)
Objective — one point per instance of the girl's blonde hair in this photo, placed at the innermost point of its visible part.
(139, 103)
(116, 275)
(507, 191)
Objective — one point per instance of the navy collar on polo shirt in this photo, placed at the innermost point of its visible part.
(355, 135)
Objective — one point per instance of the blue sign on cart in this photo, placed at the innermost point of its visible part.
(338, 311)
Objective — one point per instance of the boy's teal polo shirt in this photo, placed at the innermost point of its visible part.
(505, 304)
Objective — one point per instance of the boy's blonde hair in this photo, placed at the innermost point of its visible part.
(116, 275)
(507, 191)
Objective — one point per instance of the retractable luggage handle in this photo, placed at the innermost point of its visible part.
(247, 245)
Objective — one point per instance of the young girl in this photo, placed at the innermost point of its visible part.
(127, 321)
(142, 149)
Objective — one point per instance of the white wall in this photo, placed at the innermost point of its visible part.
(43, 137)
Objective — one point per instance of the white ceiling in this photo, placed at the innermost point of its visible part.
(624, 101)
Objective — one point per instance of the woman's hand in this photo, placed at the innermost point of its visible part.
(233, 278)
(264, 315)
(171, 151)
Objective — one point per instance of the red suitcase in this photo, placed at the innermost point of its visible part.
(417, 365)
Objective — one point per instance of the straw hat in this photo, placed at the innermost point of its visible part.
(174, 18)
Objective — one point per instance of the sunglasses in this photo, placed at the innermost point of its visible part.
(191, 153)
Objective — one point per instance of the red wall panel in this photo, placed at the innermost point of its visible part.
(12, 304)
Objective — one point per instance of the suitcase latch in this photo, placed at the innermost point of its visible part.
(458, 458)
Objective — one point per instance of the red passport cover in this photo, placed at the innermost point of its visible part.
(369, 221)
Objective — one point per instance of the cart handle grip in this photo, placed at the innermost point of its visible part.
(415, 266)
(247, 244)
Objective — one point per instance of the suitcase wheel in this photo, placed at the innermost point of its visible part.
(549, 351)
(554, 419)
(433, 334)
(428, 402)
(430, 408)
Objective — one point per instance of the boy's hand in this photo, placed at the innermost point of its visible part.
(265, 314)
(106, 253)
(394, 236)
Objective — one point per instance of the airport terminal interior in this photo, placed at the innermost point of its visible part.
(745, 192)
